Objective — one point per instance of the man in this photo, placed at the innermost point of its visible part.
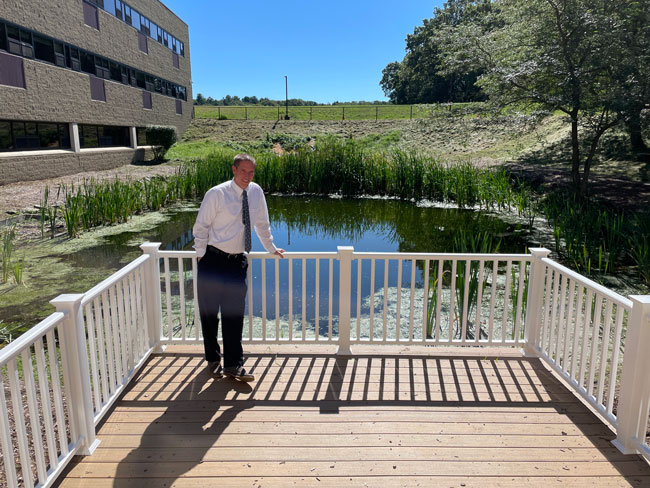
(222, 234)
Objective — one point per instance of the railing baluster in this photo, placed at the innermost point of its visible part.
(317, 304)
(276, 275)
(399, 305)
(384, 327)
(452, 307)
(34, 414)
(359, 267)
(585, 336)
(412, 304)
(19, 424)
(126, 300)
(5, 440)
(290, 299)
(330, 307)
(92, 347)
(102, 350)
(479, 300)
(123, 329)
(303, 265)
(441, 266)
(576, 327)
(594, 342)
(561, 321)
(181, 293)
(603, 353)
(493, 294)
(613, 373)
(263, 261)
(520, 300)
(557, 277)
(110, 338)
(506, 302)
(57, 394)
(44, 387)
(371, 328)
(117, 347)
(464, 317)
(567, 325)
(425, 301)
(168, 299)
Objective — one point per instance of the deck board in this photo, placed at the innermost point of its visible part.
(377, 419)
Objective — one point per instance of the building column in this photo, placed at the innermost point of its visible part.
(134, 137)
(75, 143)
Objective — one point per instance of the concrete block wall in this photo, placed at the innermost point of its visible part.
(26, 166)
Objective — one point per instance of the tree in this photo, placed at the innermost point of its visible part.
(419, 78)
(200, 100)
(161, 139)
(561, 55)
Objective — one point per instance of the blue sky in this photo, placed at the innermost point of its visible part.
(331, 50)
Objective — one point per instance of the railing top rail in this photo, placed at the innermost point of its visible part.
(13, 349)
(439, 255)
(256, 254)
(98, 289)
(619, 299)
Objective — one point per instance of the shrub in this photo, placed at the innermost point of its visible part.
(161, 138)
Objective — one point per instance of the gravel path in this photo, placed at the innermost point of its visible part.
(25, 195)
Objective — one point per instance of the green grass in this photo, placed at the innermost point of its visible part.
(328, 112)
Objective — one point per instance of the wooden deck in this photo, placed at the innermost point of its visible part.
(411, 417)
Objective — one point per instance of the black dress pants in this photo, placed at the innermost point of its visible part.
(222, 288)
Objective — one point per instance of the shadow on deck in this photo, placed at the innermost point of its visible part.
(375, 419)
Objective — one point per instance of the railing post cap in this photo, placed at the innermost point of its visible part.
(643, 300)
(541, 252)
(150, 246)
(66, 299)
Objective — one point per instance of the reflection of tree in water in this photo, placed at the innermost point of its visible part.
(415, 229)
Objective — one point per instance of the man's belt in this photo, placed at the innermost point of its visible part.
(216, 250)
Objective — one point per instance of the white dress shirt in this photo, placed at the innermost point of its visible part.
(219, 222)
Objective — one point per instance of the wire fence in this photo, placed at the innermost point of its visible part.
(327, 112)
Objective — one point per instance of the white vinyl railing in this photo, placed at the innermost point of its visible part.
(59, 379)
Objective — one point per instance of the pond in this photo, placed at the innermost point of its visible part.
(299, 224)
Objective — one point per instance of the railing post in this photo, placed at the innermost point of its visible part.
(76, 373)
(345, 288)
(534, 302)
(153, 298)
(632, 412)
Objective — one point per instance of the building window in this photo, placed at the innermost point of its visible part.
(59, 54)
(175, 60)
(72, 58)
(18, 135)
(99, 3)
(102, 68)
(127, 14)
(103, 136)
(146, 100)
(87, 62)
(3, 37)
(119, 9)
(90, 15)
(12, 72)
(145, 25)
(179, 107)
(20, 42)
(97, 89)
(142, 43)
(140, 133)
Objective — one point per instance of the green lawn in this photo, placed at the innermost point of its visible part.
(324, 112)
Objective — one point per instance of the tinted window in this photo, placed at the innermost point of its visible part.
(87, 62)
(119, 10)
(43, 48)
(59, 54)
(89, 136)
(116, 72)
(127, 14)
(48, 135)
(3, 37)
(64, 135)
(141, 136)
(6, 141)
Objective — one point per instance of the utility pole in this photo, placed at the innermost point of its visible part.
(286, 97)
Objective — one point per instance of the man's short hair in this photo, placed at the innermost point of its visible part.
(243, 157)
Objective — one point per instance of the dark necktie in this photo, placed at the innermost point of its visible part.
(246, 219)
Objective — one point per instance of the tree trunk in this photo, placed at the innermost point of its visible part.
(575, 156)
(636, 138)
